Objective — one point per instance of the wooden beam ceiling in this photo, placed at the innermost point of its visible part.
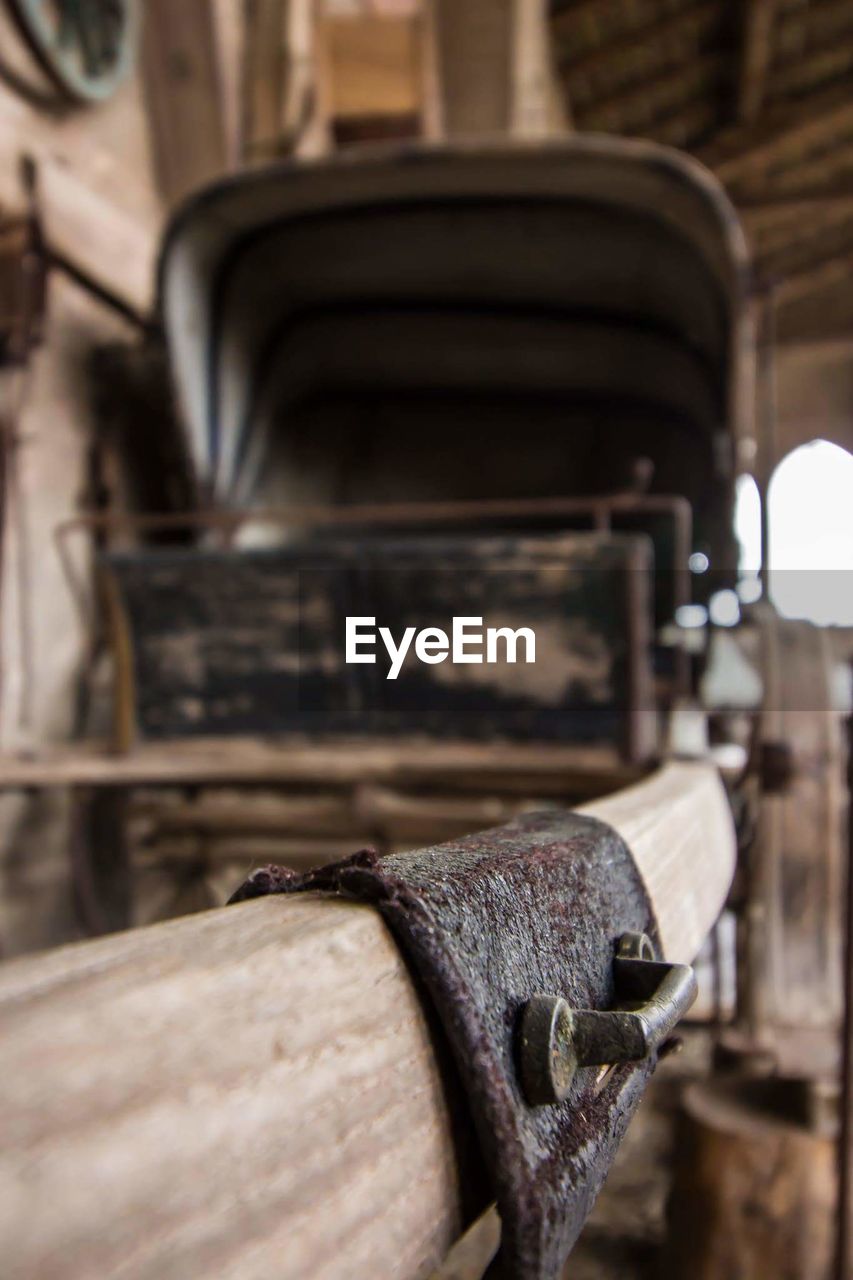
(816, 278)
(799, 197)
(637, 105)
(756, 54)
(759, 91)
(740, 151)
(661, 35)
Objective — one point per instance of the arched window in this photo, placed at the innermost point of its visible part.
(810, 534)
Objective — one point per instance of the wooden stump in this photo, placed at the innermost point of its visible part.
(753, 1188)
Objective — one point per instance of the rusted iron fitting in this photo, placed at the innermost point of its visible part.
(556, 1040)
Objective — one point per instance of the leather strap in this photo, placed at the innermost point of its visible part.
(488, 922)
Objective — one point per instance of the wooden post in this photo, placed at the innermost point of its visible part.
(184, 88)
(257, 1091)
(754, 1188)
(475, 60)
(756, 55)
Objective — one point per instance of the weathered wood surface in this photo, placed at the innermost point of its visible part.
(240, 829)
(475, 55)
(97, 195)
(679, 828)
(246, 1093)
(183, 73)
(754, 1189)
(796, 896)
(254, 1092)
(548, 769)
(756, 54)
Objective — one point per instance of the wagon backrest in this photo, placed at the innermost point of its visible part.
(236, 642)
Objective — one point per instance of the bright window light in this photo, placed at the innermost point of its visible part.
(810, 523)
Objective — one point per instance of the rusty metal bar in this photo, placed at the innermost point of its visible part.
(598, 509)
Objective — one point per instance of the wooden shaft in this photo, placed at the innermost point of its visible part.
(255, 1092)
(678, 825)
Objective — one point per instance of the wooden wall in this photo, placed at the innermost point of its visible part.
(102, 208)
(100, 199)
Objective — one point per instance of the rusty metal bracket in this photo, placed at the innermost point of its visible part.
(23, 288)
(555, 1041)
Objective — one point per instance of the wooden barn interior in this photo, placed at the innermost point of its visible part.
(313, 308)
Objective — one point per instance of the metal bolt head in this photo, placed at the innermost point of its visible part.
(546, 1051)
(635, 946)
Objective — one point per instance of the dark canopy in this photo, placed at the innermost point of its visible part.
(463, 323)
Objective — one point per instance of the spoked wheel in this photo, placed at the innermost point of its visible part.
(87, 47)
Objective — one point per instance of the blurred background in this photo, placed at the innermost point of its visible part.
(115, 113)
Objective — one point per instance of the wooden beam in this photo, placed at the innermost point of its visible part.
(266, 77)
(679, 828)
(837, 345)
(800, 72)
(541, 769)
(475, 60)
(779, 226)
(798, 200)
(328, 813)
(812, 27)
(681, 128)
(281, 107)
(638, 106)
(245, 1092)
(656, 39)
(184, 90)
(228, 18)
(756, 55)
(255, 1091)
(745, 149)
(814, 279)
(98, 201)
(566, 13)
(541, 107)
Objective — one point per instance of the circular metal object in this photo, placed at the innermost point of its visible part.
(546, 1050)
(87, 47)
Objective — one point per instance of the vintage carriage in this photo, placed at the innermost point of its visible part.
(499, 382)
(510, 384)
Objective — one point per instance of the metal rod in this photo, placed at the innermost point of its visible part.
(599, 509)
